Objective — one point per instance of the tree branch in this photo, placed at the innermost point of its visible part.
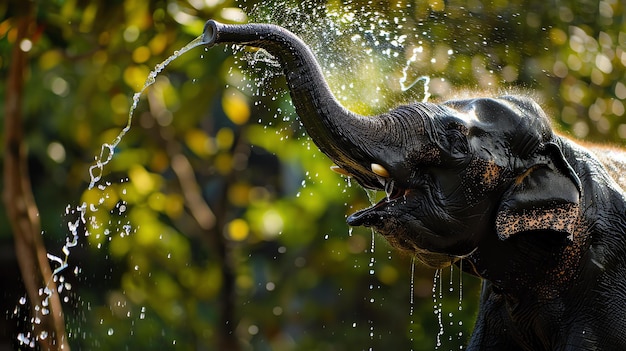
(211, 222)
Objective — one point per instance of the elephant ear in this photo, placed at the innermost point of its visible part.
(545, 197)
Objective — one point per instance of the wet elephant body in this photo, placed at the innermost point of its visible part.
(484, 184)
(548, 289)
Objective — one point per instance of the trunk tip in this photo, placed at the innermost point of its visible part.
(210, 32)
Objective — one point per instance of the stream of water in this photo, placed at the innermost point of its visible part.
(108, 149)
(80, 212)
(106, 154)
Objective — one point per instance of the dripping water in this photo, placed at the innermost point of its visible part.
(451, 290)
(389, 188)
(437, 305)
(437, 294)
(371, 195)
(372, 272)
(460, 305)
(412, 301)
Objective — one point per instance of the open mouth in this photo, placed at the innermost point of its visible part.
(375, 215)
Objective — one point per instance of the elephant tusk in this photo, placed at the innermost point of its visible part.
(379, 170)
(339, 170)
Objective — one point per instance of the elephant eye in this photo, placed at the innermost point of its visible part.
(456, 143)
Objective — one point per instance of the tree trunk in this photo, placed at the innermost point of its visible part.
(21, 207)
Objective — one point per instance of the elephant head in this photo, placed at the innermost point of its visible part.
(455, 173)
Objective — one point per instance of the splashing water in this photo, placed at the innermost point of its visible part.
(359, 47)
(106, 154)
(425, 80)
(74, 227)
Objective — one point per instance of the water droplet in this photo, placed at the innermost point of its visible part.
(277, 311)
(110, 331)
(253, 330)
(23, 339)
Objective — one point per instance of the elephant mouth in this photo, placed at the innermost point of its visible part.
(393, 218)
(376, 215)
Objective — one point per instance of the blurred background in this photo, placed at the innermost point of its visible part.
(218, 225)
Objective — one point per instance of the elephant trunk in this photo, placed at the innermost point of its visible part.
(339, 133)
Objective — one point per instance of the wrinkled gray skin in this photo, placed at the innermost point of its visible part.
(486, 182)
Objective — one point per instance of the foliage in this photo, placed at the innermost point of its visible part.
(217, 194)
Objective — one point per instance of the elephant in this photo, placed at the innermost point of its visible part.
(485, 184)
